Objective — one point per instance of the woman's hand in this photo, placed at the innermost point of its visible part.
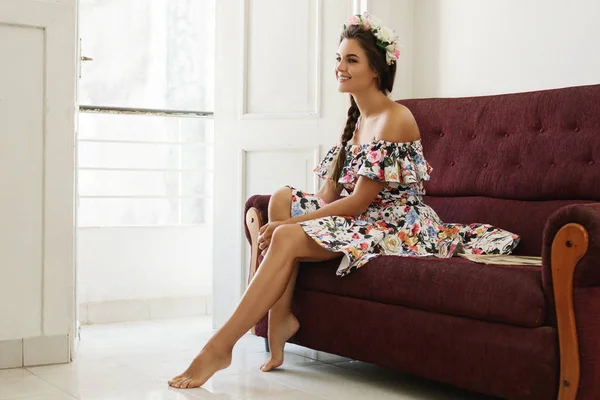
(264, 235)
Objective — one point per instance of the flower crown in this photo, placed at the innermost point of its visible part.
(386, 37)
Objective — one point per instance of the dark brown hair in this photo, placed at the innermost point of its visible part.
(385, 78)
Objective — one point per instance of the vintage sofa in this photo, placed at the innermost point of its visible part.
(528, 163)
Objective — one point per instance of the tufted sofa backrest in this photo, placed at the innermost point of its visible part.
(542, 145)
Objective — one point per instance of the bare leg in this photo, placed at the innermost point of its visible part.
(282, 322)
(289, 243)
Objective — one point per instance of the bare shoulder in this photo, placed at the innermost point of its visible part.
(398, 125)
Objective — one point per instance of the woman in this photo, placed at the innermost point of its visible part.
(380, 164)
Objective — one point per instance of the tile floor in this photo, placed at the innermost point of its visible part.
(133, 361)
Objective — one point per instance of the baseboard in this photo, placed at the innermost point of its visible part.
(144, 309)
(29, 352)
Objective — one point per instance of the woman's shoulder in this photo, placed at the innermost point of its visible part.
(398, 125)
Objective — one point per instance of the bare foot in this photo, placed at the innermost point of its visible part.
(209, 361)
(283, 330)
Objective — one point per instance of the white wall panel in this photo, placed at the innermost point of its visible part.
(281, 74)
(21, 180)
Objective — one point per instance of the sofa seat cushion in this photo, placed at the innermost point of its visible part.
(455, 286)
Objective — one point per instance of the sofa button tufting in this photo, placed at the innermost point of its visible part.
(453, 163)
(485, 165)
(591, 162)
(576, 129)
(441, 134)
(553, 165)
(542, 130)
(473, 136)
(506, 134)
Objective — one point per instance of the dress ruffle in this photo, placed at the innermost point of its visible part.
(395, 162)
(380, 160)
(322, 169)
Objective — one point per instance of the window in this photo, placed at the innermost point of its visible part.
(145, 136)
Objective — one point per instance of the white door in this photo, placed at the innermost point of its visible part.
(277, 109)
(37, 108)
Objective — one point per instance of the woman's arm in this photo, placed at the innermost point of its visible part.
(365, 191)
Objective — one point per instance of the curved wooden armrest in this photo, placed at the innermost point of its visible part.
(254, 224)
(568, 247)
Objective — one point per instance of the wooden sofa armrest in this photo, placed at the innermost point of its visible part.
(571, 255)
(261, 204)
(253, 224)
(256, 214)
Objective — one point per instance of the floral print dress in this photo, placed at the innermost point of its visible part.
(397, 222)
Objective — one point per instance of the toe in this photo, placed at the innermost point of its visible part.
(178, 382)
(186, 384)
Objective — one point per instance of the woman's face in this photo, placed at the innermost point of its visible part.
(352, 69)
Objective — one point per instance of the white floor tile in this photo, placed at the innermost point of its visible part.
(246, 385)
(131, 361)
(48, 397)
(90, 382)
(333, 382)
(295, 395)
(21, 383)
(411, 386)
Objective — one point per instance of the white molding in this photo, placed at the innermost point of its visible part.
(59, 175)
(316, 179)
(359, 6)
(242, 156)
(30, 13)
(33, 351)
(316, 112)
(366, 5)
(242, 194)
(46, 350)
(11, 353)
(144, 309)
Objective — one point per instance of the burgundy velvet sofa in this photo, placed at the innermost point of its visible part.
(528, 163)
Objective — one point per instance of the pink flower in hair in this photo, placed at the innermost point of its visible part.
(386, 37)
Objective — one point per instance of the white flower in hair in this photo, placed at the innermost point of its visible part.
(386, 37)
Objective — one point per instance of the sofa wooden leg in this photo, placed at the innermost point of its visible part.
(569, 246)
(267, 349)
(254, 224)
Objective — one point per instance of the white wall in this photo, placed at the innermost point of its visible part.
(399, 15)
(474, 47)
(37, 107)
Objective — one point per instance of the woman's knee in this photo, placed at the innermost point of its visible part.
(283, 194)
(280, 204)
(286, 237)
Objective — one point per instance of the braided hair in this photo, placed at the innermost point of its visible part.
(385, 78)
